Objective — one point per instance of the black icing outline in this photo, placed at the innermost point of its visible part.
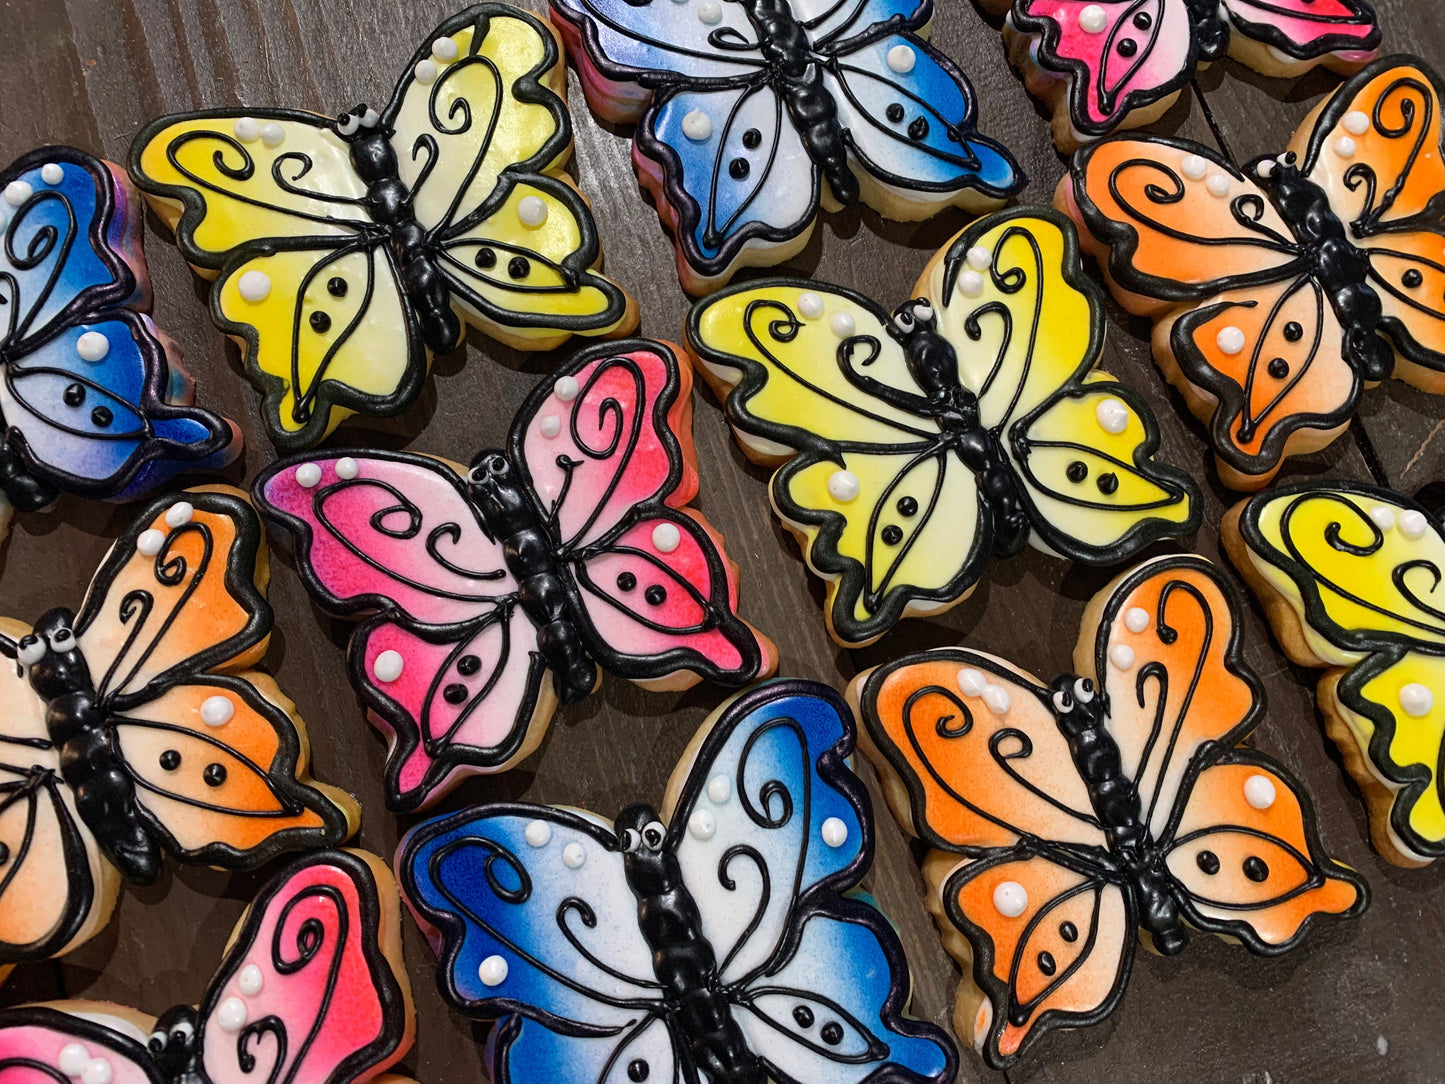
(52, 1019)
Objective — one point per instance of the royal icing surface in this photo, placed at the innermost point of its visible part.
(586, 507)
(1112, 796)
(93, 399)
(1281, 289)
(712, 935)
(912, 448)
(481, 224)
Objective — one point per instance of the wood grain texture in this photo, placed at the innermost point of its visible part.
(1356, 1000)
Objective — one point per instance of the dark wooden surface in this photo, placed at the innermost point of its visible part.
(1358, 1000)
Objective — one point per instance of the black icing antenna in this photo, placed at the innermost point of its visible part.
(8, 647)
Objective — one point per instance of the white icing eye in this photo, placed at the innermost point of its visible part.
(1083, 690)
(349, 124)
(181, 1031)
(1063, 702)
(903, 319)
(157, 1042)
(922, 311)
(31, 650)
(630, 841)
(653, 835)
(1266, 168)
(371, 118)
(62, 640)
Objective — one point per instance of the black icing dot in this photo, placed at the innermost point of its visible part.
(468, 665)
(918, 130)
(1412, 279)
(637, 1070)
(1143, 20)
(752, 139)
(892, 534)
(626, 581)
(1077, 471)
(74, 394)
(1255, 869)
(894, 113)
(4, 854)
(455, 693)
(1294, 331)
(320, 322)
(907, 506)
(170, 760)
(1108, 483)
(1128, 47)
(656, 595)
(214, 775)
(803, 1016)
(1047, 964)
(1069, 932)
(738, 168)
(486, 259)
(102, 417)
(832, 1033)
(1279, 368)
(336, 286)
(1208, 862)
(518, 267)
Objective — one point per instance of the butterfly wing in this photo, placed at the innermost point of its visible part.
(1304, 32)
(41, 1044)
(312, 986)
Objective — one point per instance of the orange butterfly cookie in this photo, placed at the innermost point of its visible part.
(1065, 815)
(1281, 290)
(140, 725)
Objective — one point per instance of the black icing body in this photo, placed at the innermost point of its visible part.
(26, 492)
(175, 1046)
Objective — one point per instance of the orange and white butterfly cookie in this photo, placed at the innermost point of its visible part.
(1065, 815)
(1281, 290)
(140, 725)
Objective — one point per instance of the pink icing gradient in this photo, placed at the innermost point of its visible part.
(1310, 24)
(43, 1045)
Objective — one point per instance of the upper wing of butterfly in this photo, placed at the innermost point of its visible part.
(1307, 29)
(312, 986)
(48, 1043)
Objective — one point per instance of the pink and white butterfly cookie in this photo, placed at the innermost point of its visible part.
(1122, 64)
(491, 593)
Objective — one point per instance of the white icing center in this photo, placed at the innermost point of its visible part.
(1416, 699)
(979, 258)
(997, 699)
(272, 134)
(388, 666)
(346, 468)
(1230, 339)
(834, 832)
(308, 475)
(666, 537)
(254, 286)
(1356, 122)
(425, 71)
(1413, 524)
(566, 388)
(573, 856)
(179, 514)
(1195, 166)
(550, 426)
(493, 971)
(810, 305)
(1383, 517)
(232, 1014)
(92, 346)
(842, 324)
(247, 129)
(1010, 899)
(1122, 656)
(719, 789)
(1346, 147)
(217, 710)
(843, 485)
(250, 980)
(710, 12)
(702, 824)
(51, 173)
(1218, 185)
(901, 59)
(970, 284)
(1136, 619)
(1093, 19)
(532, 210)
(150, 542)
(971, 682)
(445, 50)
(17, 192)
(1113, 416)
(1259, 791)
(538, 834)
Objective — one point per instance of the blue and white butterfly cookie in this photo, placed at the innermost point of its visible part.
(93, 400)
(709, 941)
(752, 113)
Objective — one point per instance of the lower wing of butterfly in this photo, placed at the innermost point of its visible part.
(63, 1039)
(1302, 33)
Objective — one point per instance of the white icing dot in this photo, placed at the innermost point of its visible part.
(532, 210)
(1266, 168)
(1356, 123)
(573, 856)
(1346, 147)
(979, 258)
(445, 49)
(566, 388)
(843, 485)
(719, 789)
(834, 832)
(1195, 166)
(272, 134)
(842, 324)
(92, 346)
(254, 286)
(232, 1014)
(538, 834)
(1010, 899)
(1259, 791)
(493, 971)
(970, 284)
(1218, 185)
(1230, 339)
(73, 1057)
(308, 475)
(1136, 619)
(702, 824)
(810, 305)
(52, 173)
(96, 1071)
(1383, 516)
(1122, 656)
(550, 426)
(179, 514)
(150, 542)
(1113, 416)
(425, 71)
(1416, 699)
(666, 537)
(710, 12)
(697, 126)
(388, 666)
(1413, 524)
(17, 192)
(346, 468)
(250, 980)
(1093, 19)
(971, 682)
(901, 59)
(997, 699)
(217, 710)
(247, 129)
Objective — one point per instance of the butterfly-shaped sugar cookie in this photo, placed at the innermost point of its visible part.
(93, 399)
(911, 448)
(1349, 575)
(1280, 291)
(753, 114)
(1117, 64)
(348, 251)
(311, 990)
(1064, 816)
(490, 593)
(141, 725)
(713, 939)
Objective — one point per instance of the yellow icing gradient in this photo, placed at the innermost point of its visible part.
(1417, 739)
